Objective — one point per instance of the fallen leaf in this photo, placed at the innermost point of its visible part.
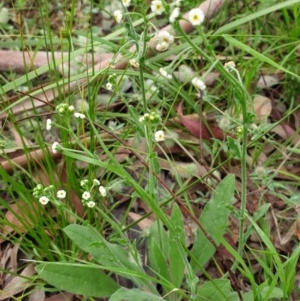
(266, 81)
(143, 224)
(262, 107)
(194, 127)
(18, 283)
(38, 295)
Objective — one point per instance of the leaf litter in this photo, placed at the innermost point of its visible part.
(284, 236)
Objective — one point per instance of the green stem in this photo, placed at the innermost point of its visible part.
(241, 95)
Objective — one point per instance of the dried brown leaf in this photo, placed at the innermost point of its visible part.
(194, 127)
(18, 283)
(143, 224)
(262, 107)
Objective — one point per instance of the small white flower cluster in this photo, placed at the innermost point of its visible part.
(46, 194)
(63, 108)
(152, 118)
(165, 40)
(86, 195)
(111, 81)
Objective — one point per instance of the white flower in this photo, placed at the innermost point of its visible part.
(198, 83)
(164, 73)
(109, 86)
(96, 182)
(174, 15)
(196, 16)
(102, 191)
(159, 136)
(79, 115)
(126, 3)
(142, 119)
(61, 194)
(91, 204)
(163, 46)
(48, 124)
(86, 195)
(157, 7)
(71, 109)
(43, 200)
(54, 147)
(134, 63)
(166, 37)
(118, 15)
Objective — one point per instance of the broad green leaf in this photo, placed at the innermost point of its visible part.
(214, 219)
(107, 254)
(176, 261)
(249, 296)
(157, 260)
(134, 294)
(77, 279)
(159, 234)
(208, 291)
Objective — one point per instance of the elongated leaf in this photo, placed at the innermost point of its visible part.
(89, 240)
(157, 260)
(249, 17)
(107, 254)
(176, 261)
(134, 294)
(208, 290)
(77, 279)
(214, 218)
(256, 54)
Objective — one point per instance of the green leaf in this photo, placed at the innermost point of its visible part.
(208, 290)
(176, 261)
(107, 254)
(77, 279)
(249, 296)
(214, 219)
(256, 54)
(134, 294)
(157, 260)
(89, 240)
